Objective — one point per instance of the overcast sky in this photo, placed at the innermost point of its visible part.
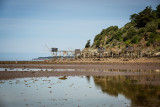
(28, 25)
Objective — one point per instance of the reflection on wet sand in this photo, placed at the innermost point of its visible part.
(81, 87)
(71, 72)
(142, 90)
(52, 91)
(117, 91)
(86, 69)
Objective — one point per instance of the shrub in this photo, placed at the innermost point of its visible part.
(87, 44)
(151, 26)
(136, 39)
(128, 42)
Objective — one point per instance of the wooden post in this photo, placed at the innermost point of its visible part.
(56, 55)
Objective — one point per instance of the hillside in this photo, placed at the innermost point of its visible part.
(142, 33)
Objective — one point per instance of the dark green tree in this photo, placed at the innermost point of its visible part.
(143, 17)
(151, 26)
(88, 44)
(158, 11)
(158, 15)
(130, 33)
(118, 35)
(136, 39)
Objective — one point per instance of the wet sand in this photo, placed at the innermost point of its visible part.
(24, 74)
(88, 67)
(131, 65)
(121, 78)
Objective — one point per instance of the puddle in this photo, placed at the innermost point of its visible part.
(95, 70)
(34, 69)
(83, 91)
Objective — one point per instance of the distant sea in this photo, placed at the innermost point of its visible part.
(21, 56)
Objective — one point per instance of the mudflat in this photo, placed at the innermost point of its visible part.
(85, 68)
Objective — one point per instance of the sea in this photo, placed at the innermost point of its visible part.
(22, 56)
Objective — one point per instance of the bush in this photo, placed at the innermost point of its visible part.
(158, 21)
(143, 17)
(128, 42)
(98, 44)
(141, 31)
(148, 43)
(109, 40)
(136, 39)
(157, 37)
(128, 26)
(87, 44)
(118, 35)
(151, 26)
(152, 35)
(130, 33)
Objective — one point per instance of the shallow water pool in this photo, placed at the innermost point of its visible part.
(84, 91)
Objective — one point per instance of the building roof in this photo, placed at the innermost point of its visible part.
(129, 49)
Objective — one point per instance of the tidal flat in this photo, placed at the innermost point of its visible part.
(92, 85)
(82, 91)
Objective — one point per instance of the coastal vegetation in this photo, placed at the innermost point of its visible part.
(142, 33)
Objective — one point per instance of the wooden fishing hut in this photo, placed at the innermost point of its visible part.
(129, 51)
(54, 52)
(101, 52)
(77, 53)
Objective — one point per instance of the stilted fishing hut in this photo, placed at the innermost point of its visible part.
(54, 52)
(129, 50)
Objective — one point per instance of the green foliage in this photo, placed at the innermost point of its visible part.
(141, 31)
(157, 37)
(99, 38)
(145, 25)
(150, 41)
(158, 21)
(128, 42)
(151, 26)
(118, 35)
(109, 40)
(96, 38)
(130, 33)
(127, 26)
(98, 44)
(136, 39)
(87, 44)
(143, 17)
(152, 38)
(158, 11)
(158, 15)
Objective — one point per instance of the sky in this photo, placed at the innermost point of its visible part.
(30, 26)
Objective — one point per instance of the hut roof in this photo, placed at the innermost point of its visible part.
(129, 49)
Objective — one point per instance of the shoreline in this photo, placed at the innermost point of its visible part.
(126, 66)
(88, 68)
(148, 64)
(87, 61)
(5, 75)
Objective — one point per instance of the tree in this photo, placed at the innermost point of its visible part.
(143, 17)
(133, 17)
(158, 11)
(87, 44)
(130, 33)
(118, 35)
(151, 26)
(158, 15)
(98, 43)
(136, 39)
